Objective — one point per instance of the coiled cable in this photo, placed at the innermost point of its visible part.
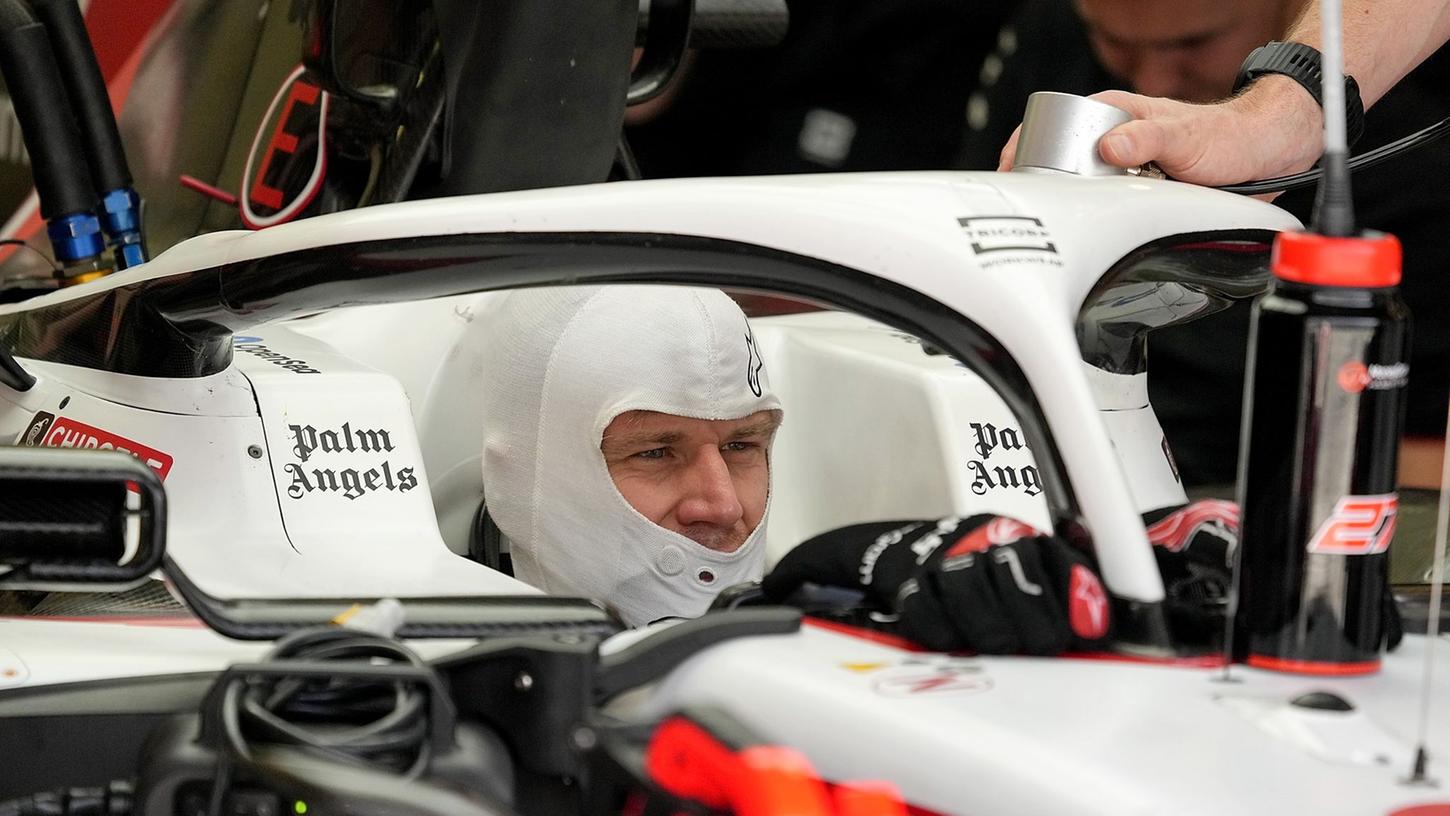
(373, 724)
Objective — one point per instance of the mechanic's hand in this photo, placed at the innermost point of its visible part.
(985, 584)
(1273, 129)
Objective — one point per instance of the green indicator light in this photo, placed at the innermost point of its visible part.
(299, 807)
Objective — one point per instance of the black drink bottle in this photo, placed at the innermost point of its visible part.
(1323, 409)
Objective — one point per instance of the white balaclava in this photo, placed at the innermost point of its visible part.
(563, 364)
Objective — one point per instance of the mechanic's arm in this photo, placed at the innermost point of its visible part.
(1274, 128)
(1383, 39)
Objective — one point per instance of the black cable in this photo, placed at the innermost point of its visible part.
(48, 262)
(625, 162)
(1361, 162)
(365, 723)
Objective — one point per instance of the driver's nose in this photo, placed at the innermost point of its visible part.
(708, 492)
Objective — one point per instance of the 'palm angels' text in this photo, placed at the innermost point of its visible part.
(989, 438)
(352, 483)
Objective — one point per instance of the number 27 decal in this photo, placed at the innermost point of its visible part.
(1359, 525)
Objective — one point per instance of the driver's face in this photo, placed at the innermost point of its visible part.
(704, 479)
(1184, 49)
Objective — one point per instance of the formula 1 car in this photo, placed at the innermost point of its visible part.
(295, 406)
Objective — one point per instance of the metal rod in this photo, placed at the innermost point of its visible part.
(1335, 138)
(1232, 609)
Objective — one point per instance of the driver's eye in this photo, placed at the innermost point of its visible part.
(653, 453)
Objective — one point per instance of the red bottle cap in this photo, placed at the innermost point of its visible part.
(1369, 261)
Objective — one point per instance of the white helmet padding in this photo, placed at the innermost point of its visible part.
(564, 363)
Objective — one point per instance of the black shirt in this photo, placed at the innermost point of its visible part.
(856, 85)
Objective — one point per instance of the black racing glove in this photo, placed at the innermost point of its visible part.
(1193, 545)
(986, 584)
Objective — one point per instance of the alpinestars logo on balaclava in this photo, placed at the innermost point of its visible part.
(753, 363)
(564, 364)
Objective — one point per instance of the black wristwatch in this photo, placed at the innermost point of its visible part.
(1303, 64)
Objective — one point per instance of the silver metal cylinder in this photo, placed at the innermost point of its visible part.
(1060, 133)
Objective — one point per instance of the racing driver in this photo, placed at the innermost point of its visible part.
(626, 452)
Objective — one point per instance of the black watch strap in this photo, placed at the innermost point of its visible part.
(1303, 64)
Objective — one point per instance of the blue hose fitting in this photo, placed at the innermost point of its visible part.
(121, 218)
(75, 237)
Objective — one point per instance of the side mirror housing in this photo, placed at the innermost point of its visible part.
(78, 520)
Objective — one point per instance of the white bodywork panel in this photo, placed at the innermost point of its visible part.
(876, 429)
(97, 649)
(248, 516)
(1007, 736)
(1029, 736)
(439, 367)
